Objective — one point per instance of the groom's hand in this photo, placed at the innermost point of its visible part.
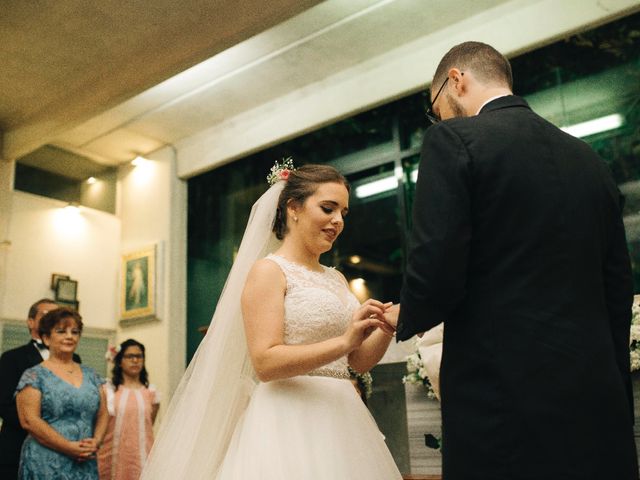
(391, 314)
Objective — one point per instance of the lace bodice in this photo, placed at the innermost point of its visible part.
(317, 306)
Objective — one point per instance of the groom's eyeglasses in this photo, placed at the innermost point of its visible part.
(431, 115)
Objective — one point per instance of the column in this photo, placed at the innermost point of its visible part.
(7, 170)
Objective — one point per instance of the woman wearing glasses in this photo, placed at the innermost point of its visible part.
(133, 405)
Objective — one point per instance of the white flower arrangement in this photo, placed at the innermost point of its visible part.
(365, 381)
(423, 366)
(417, 374)
(634, 337)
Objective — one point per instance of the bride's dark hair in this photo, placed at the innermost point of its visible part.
(301, 184)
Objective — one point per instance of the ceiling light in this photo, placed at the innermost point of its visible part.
(91, 180)
(69, 220)
(355, 259)
(594, 126)
(138, 161)
(359, 288)
(377, 186)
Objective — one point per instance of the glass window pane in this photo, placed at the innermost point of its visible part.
(369, 250)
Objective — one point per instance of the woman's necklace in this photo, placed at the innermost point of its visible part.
(67, 368)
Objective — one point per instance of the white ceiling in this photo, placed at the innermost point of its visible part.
(64, 62)
(103, 79)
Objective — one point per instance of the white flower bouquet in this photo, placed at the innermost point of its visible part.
(634, 338)
(423, 366)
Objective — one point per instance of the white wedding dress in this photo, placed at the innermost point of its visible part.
(315, 426)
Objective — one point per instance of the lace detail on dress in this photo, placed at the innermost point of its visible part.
(29, 378)
(317, 306)
(70, 411)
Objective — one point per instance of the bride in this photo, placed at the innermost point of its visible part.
(293, 324)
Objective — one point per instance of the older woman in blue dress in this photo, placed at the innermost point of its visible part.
(61, 406)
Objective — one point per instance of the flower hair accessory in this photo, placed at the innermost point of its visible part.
(280, 170)
(111, 353)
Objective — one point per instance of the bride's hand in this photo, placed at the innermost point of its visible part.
(365, 320)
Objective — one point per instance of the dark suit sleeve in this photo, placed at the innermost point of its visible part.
(10, 372)
(435, 276)
(618, 284)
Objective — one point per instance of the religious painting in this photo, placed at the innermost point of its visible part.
(137, 285)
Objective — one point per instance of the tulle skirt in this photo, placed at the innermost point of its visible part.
(307, 428)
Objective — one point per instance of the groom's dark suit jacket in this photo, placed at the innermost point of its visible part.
(518, 246)
(13, 363)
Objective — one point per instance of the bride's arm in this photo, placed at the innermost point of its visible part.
(263, 314)
(373, 348)
(367, 356)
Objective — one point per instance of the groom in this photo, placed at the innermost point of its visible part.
(518, 246)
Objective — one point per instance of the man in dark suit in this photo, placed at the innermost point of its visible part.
(518, 245)
(12, 364)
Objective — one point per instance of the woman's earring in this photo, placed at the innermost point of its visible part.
(295, 219)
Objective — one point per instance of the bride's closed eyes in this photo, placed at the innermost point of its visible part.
(328, 209)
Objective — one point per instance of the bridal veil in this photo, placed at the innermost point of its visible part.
(216, 387)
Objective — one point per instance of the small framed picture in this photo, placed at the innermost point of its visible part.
(54, 279)
(66, 290)
(75, 305)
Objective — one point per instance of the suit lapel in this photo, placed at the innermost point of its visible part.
(32, 354)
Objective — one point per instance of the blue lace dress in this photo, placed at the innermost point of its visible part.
(71, 412)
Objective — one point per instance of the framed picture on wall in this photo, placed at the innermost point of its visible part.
(137, 285)
(54, 279)
(75, 305)
(66, 290)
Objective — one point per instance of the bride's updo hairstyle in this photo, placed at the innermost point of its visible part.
(300, 185)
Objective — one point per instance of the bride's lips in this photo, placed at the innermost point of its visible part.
(332, 233)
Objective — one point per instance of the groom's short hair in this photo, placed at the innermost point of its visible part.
(487, 64)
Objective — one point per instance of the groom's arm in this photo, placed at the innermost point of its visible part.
(435, 275)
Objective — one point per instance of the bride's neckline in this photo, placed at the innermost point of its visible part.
(299, 265)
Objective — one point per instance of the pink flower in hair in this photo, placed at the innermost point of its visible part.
(280, 171)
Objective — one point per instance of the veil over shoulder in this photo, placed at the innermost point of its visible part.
(216, 387)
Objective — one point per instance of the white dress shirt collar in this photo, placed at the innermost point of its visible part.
(41, 347)
(491, 100)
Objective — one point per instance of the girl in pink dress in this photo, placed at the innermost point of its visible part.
(132, 404)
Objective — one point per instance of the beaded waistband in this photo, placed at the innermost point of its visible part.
(330, 372)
